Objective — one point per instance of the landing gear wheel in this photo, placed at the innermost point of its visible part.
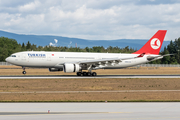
(79, 73)
(84, 73)
(94, 74)
(24, 72)
(88, 74)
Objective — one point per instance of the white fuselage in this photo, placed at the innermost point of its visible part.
(41, 59)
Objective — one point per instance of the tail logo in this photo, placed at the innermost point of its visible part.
(155, 43)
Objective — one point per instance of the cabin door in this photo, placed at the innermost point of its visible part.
(48, 57)
(24, 57)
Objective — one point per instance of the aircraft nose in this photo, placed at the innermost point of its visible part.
(7, 59)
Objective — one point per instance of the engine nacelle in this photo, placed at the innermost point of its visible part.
(69, 67)
(55, 69)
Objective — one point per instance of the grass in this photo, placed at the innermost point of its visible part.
(34, 86)
(99, 101)
(86, 97)
(89, 84)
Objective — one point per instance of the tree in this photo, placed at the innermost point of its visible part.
(28, 46)
(171, 47)
(166, 59)
(7, 47)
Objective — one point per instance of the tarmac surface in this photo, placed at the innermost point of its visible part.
(81, 77)
(91, 111)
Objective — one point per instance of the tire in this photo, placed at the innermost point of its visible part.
(88, 74)
(94, 74)
(24, 72)
(79, 73)
(84, 73)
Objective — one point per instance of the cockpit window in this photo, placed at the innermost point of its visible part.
(13, 56)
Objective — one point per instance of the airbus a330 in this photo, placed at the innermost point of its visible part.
(70, 62)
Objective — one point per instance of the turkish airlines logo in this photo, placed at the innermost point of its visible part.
(155, 43)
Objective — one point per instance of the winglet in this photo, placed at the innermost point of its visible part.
(154, 44)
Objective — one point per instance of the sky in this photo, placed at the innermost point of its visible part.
(91, 19)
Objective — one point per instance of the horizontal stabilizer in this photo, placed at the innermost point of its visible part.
(150, 58)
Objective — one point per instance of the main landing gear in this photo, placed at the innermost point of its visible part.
(24, 72)
(86, 74)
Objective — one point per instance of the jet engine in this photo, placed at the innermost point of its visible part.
(69, 67)
(55, 69)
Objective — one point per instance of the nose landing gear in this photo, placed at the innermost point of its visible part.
(24, 72)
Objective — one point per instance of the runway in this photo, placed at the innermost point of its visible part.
(87, 77)
(91, 111)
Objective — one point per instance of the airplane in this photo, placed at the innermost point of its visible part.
(70, 62)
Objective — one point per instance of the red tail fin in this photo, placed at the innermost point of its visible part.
(153, 46)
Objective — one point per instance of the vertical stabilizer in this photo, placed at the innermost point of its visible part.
(153, 46)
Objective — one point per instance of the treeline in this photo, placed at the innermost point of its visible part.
(172, 48)
(10, 46)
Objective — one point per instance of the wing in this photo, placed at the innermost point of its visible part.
(106, 61)
(100, 61)
(88, 64)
